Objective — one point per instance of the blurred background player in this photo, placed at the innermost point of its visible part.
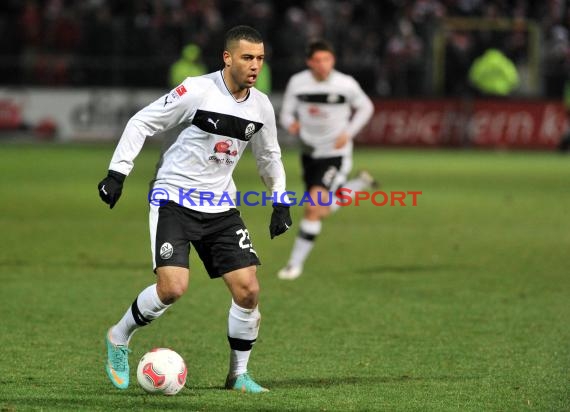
(219, 106)
(326, 109)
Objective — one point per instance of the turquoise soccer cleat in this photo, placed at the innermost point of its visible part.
(244, 383)
(117, 366)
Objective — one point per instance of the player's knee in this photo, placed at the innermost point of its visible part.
(312, 213)
(316, 212)
(252, 290)
(247, 295)
(170, 293)
(324, 211)
(171, 286)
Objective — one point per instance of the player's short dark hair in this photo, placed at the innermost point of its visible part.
(318, 45)
(237, 33)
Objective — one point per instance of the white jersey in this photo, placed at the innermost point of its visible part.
(215, 130)
(324, 110)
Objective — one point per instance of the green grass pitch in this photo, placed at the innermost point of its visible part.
(461, 303)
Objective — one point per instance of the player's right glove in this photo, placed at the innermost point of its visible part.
(111, 187)
(280, 220)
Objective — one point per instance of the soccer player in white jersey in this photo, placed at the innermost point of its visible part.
(326, 109)
(218, 114)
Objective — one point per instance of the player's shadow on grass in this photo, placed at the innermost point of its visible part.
(403, 269)
(142, 265)
(78, 264)
(293, 383)
(276, 384)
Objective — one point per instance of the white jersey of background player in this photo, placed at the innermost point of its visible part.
(217, 114)
(326, 109)
(322, 110)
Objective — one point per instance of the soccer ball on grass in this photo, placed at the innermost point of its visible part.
(162, 371)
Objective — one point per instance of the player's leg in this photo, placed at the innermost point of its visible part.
(318, 175)
(170, 260)
(363, 180)
(227, 251)
(150, 304)
(309, 229)
(243, 327)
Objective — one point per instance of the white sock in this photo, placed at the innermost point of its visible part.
(243, 327)
(146, 307)
(304, 242)
(357, 184)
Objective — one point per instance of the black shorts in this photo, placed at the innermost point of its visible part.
(221, 239)
(323, 172)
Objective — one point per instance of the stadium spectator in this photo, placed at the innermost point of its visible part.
(404, 53)
(293, 35)
(217, 108)
(459, 56)
(263, 82)
(494, 74)
(564, 145)
(557, 61)
(189, 65)
(317, 107)
(88, 43)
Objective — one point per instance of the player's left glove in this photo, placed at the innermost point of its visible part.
(280, 220)
(111, 187)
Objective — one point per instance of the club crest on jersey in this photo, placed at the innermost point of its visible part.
(166, 251)
(333, 98)
(249, 131)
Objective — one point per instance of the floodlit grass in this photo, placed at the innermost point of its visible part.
(458, 304)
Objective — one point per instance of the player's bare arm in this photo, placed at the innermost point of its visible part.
(294, 128)
(341, 140)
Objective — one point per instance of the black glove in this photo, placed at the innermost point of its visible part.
(280, 220)
(111, 187)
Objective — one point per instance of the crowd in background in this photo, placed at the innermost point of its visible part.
(387, 45)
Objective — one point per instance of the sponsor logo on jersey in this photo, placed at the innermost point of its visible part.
(222, 152)
(314, 110)
(166, 251)
(224, 147)
(215, 123)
